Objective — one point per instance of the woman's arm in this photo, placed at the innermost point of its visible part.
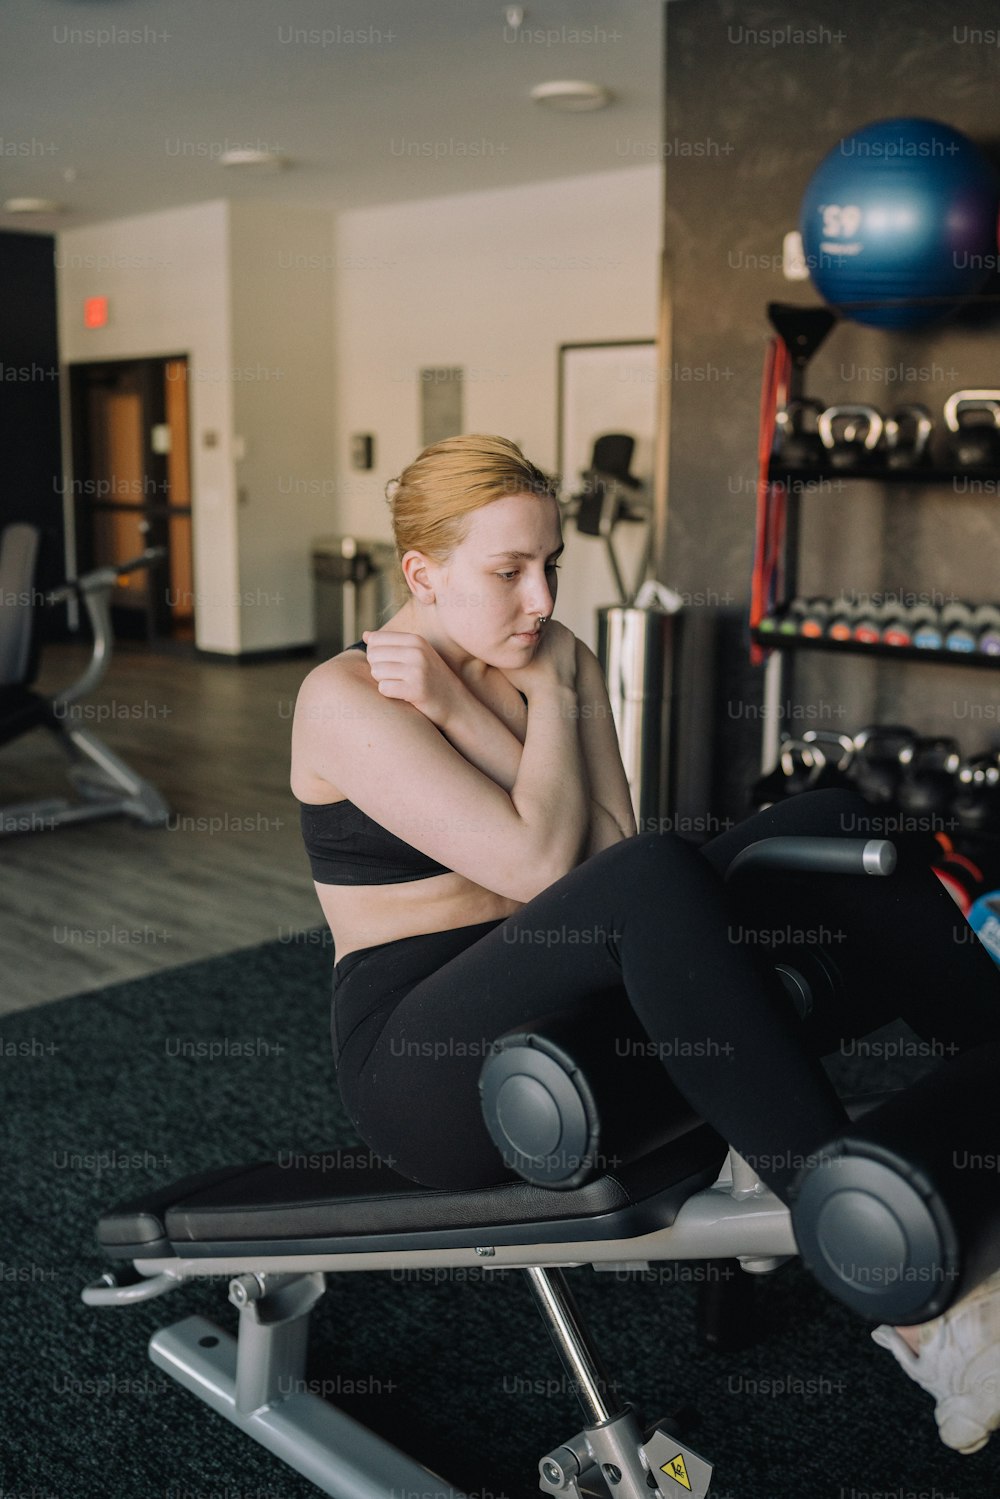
(599, 741)
(407, 667)
(486, 742)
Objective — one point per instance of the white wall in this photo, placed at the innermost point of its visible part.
(494, 282)
(167, 278)
(282, 320)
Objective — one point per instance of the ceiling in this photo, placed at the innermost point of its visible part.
(119, 107)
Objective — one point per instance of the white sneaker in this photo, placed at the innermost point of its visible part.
(959, 1364)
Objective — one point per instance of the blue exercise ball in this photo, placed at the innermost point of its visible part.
(902, 208)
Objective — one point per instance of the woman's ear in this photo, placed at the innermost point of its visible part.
(416, 571)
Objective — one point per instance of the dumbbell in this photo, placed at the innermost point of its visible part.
(907, 434)
(897, 628)
(929, 768)
(877, 766)
(973, 444)
(868, 623)
(925, 628)
(797, 442)
(841, 619)
(986, 628)
(957, 629)
(804, 617)
(813, 617)
(850, 435)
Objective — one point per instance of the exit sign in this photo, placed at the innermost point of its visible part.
(95, 312)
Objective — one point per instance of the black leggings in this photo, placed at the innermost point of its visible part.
(649, 923)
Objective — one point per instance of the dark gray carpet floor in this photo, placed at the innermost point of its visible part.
(110, 1092)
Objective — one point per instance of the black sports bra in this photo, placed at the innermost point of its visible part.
(347, 847)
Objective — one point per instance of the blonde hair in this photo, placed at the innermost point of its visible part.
(435, 494)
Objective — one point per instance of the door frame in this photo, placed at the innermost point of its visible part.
(155, 511)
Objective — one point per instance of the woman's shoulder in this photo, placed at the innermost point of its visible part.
(328, 678)
(333, 692)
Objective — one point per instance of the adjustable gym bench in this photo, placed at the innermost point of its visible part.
(885, 1218)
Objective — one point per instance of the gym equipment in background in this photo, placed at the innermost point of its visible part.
(973, 444)
(106, 785)
(884, 1216)
(613, 496)
(856, 441)
(959, 628)
(352, 589)
(907, 436)
(797, 440)
(899, 222)
(638, 638)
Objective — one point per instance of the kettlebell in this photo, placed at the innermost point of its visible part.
(907, 434)
(877, 766)
(838, 752)
(976, 804)
(797, 442)
(798, 769)
(850, 435)
(928, 780)
(973, 444)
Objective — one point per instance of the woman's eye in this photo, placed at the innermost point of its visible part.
(551, 567)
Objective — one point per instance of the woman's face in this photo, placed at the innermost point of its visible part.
(488, 600)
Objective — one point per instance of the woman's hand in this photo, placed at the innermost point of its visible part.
(406, 666)
(554, 660)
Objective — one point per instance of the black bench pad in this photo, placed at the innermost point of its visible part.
(266, 1209)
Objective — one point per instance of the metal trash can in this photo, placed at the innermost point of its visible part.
(352, 578)
(638, 650)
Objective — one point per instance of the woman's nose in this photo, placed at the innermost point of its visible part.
(541, 599)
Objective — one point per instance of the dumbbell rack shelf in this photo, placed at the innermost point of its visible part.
(801, 477)
(803, 330)
(772, 641)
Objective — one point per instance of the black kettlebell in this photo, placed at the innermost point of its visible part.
(799, 768)
(976, 804)
(907, 434)
(838, 752)
(850, 435)
(928, 780)
(796, 435)
(877, 766)
(975, 443)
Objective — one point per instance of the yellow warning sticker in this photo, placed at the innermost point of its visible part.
(676, 1470)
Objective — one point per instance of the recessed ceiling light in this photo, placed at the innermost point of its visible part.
(32, 205)
(571, 94)
(269, 161)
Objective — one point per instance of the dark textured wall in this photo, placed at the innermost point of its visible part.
(31, 467)
(752, 105)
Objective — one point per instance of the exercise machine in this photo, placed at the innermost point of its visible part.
(610, 496)
(612, 1170)
(105, 785)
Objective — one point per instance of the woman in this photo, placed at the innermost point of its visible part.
(474, 850)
